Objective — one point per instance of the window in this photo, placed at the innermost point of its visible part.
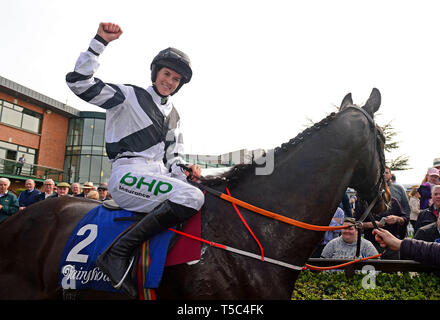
(98, 135)
(13, 152)
(88, 132)
(17, 116)
(95, 168)
(86, 158)
(30, 123)
(12, 117)
(84, 168)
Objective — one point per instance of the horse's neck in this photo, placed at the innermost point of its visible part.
(297, 183)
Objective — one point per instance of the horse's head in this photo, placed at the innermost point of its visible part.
(368, 176)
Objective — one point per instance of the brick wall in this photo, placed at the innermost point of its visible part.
(53, 140)
(51, 143)
(20, 137)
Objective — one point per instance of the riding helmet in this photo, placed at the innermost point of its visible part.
(174, 59)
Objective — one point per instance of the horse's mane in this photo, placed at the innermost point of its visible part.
(239, 171)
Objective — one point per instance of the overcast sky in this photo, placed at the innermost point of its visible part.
(262, 68)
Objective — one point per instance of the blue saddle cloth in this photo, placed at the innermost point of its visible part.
(93, 234)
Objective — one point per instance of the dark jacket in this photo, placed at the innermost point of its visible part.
(9, 204)
(428, 233)
(427, 216)
(42, 196)
(421, 251)
(425, 195)
(345, 205)
(53, 195)
(26, 198)
(396, 229)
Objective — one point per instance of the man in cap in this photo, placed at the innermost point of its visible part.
(144, 145)
(87, 187)
(63, 189)
(103, 192)
(436, 163)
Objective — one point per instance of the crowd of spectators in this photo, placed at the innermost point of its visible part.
(11, 204)
(416, 211)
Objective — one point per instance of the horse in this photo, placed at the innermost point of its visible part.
(309, 177)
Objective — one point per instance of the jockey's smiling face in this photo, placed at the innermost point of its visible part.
(167, 81)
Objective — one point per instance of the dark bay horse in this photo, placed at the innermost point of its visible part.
(310, 175)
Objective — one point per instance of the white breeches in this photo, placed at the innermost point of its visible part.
(139, 185)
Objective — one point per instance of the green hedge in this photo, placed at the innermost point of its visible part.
(389, 286)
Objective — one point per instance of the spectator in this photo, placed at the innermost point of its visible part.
(430, 214)
(425, 188)
(410, 249)
(345, 246)
(345, 205)
(414, 204)
(92, 194)
(103, 192)
(429, 233)
(87, 187)
(48, 186)
(28, 196)
(20, 163)
(436, 164)
(62, 190)
(353, 200)
(394, 220)
(337, 220)
(8, 201)
(397, 191)
(76, 189)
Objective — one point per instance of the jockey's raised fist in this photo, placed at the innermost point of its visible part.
(109, 31)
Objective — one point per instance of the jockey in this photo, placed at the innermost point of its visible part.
(144, 145)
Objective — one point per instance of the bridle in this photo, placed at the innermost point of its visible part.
(379, 189)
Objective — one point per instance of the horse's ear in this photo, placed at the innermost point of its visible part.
(373, 103)
(347, 101)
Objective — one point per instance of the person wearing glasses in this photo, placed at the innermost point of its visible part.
(48, 187)
(103, 192)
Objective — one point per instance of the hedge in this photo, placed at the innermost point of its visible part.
(388, 286)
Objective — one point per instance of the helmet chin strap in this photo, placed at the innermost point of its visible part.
(163, 99)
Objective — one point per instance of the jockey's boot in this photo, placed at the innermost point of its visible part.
(115, 261)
